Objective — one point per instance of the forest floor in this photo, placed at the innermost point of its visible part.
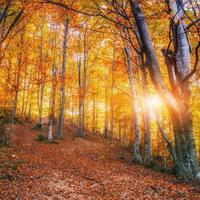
(77, 169)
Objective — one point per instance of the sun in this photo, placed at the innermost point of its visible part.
(154, 101)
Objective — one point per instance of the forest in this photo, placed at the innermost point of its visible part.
(100, 99)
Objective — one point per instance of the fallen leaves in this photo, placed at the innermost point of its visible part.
(79, 169)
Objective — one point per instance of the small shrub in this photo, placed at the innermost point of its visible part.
(41, 138)
(44, 139)
(40, 128)
(154, 166)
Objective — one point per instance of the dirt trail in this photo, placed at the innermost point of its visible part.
(78, 169)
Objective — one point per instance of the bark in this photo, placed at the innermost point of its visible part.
(97, 110)
(53, 101)
(24, 91)
(40, 123)
(82, 77)
(170, 60)
(136, 119)
(50, 131)
(15, 101)
(59, 132)
(106, 110)
(28, 97)
(94, 115)
(53, 85)
(120, 131)
(41, 78)
(146, 113)
(182, 122)
(170, 145)
(125, 131)
(151, 56)
(187, 165)
(112, 90)
(8, 23)
(80, 117)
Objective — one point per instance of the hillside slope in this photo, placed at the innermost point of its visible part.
(79, 169)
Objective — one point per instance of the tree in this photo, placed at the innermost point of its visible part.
(59, 132)
(136, 119)
(186, 165)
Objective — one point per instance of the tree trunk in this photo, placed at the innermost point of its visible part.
(187, 165)
(41, 103)
(80, 113)
(82, 77)
(136, 119)
(182, 121)
(53, 85)
(50, 131)
(28, 97)
(106, 110)
(41, 78)
(170, 146)
(94, 115)
(24, 91)
(120, 130)
(147, 125)
(112, 90)
(15, 101)
(59, 132)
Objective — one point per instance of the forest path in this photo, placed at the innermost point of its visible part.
(77, 169)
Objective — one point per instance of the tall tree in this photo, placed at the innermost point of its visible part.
(136, 120)
(186, 164)
(59, 132)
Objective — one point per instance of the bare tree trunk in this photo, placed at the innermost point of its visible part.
(82, 76)
(24, 91)
(187, 165)
(136, 119)
(53, 94)
(146, 113)
(54, 89)
(120, 130)
(15, 101)
(106, 110)
(30, 108)
(94, 115)
(112, 90)
(41, 78)
(50, 131)
(97, 109)
(81, 102)
(28, 97)
(81, 118)
(80, 121)
(8, 140)
(41, 103)
(170, 145)
(59, 132)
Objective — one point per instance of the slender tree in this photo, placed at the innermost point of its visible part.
(136, 119)
(59, 132)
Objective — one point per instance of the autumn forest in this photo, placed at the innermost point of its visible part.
(99, 99)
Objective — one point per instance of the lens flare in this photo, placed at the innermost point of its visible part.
(154, 101)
